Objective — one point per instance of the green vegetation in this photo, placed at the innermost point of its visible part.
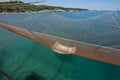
(19, 6)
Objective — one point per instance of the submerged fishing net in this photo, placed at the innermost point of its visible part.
(99, 28)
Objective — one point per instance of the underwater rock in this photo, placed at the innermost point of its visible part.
(34, 76)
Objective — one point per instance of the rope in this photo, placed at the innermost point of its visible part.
(30, 30)
(5, 74)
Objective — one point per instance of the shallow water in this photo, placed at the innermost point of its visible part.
(20, 57)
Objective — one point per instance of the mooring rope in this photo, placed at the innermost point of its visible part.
(5, 74)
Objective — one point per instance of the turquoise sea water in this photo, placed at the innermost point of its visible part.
(21, 57)
(119, 13)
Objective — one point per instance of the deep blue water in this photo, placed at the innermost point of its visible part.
(80, 15)
(118, 13)
(20, 57)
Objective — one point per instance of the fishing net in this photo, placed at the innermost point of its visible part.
(100, 28)
(23, 57)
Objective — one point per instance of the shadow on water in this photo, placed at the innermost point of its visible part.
(34, 76)
(31, 52)
(3, 75)
(64, 57)
(2, 54)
